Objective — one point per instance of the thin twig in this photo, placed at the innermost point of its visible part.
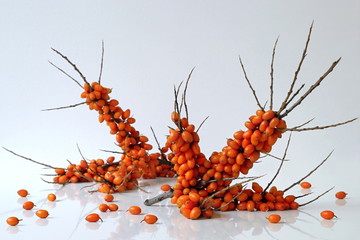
(202, 124)
(304, 195)
(316, 84)
(301, 125)
(183, 101)
(102, 62)
(311, 172)
(272, 75)
(248, 81)
(31, 160)
(273, 156)
(68, 75)
(281, 164)
(295, 129)
(72, 64)
(64, 107)
(301, 205)
(282, 107)
(294, 95)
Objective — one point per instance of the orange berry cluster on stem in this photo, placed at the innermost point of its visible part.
(135, 161)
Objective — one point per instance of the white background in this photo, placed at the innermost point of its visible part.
(149, 47)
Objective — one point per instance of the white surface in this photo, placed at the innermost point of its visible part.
(149, 47)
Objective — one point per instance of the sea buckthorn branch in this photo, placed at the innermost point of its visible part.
(298, 129)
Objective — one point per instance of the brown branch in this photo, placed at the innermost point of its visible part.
(163, 160)
(31, 160)
(68, 75)
(202, 123)
(248, 81)
(273, 156)
(296, 129)
(183, 100)
(313, 200)
(281, 164)
(304, 195)
(272, 75)
(64, 107)
(312, 88)
(311, 172)
(72, 64)
(297, 71)
(294, 95)
(159, 198)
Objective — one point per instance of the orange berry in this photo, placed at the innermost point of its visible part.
(135, 210)
(22, 192)
(340, 195)
(51, 197)
(327, 214)
(103, 207)
(13, 221)
(305, 185)
(109, 198)
(93, 217)
(28, 205)
(165, 187)
(42, 213)
(113, 207)
(195, 213)
(150, 219)
(274, 218)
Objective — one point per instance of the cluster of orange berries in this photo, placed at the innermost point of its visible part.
(135, 161)
(199, 177)
(244, 149)
(256, 199)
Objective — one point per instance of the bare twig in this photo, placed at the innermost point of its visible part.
(301, 125)
(64, 107)
(183, 101)
(281, 164)
(313, 200)
(273, 156)
(272, 75)
(294, 95)
(282, 107)
(248, 81)
(163, 160)
(202, 123)
(311, 172)
(316, 84)
(297, 129)
(72, 64)
(31, 160)
(68, 75)
(102, 62)
(304, 195)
